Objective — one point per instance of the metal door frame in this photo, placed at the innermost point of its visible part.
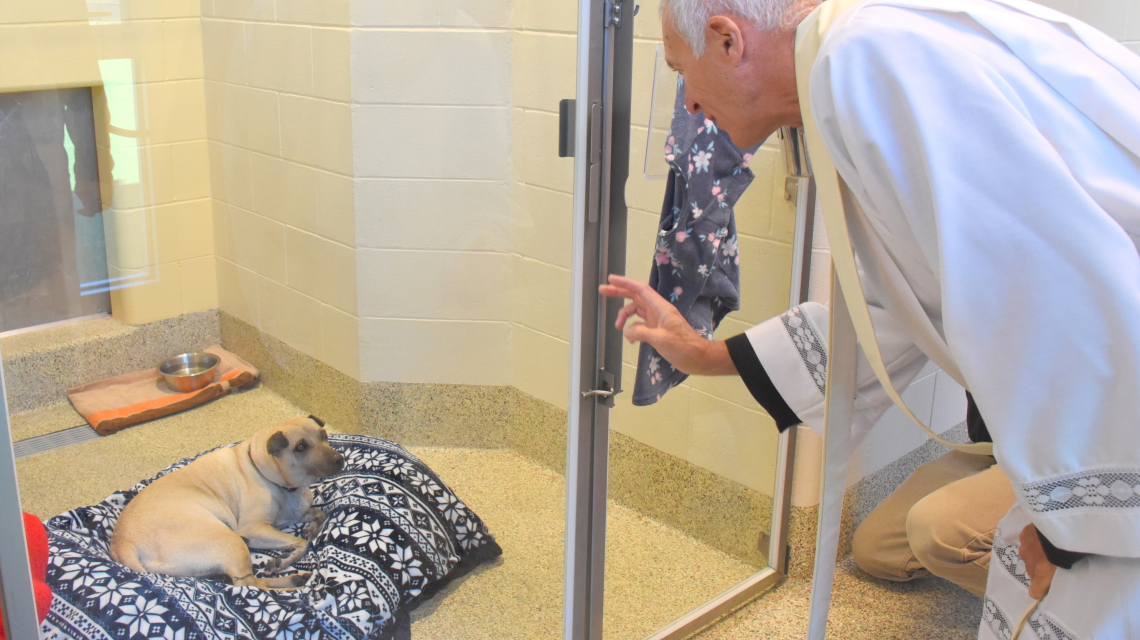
(17, 597)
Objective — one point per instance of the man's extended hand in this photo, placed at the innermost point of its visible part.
(666, 329)
(1037, 566)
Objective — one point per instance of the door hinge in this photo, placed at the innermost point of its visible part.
(611, 14)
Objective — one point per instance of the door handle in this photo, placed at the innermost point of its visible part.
(566, 128)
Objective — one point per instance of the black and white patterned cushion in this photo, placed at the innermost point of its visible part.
(395, 534)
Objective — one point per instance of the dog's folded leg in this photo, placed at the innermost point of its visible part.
(264, 535)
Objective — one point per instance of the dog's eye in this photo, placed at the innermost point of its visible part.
(301, 446)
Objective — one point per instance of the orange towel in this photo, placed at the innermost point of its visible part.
(123, 401)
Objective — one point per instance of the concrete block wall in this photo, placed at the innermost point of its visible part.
(143, 60)
(544, 52)
(431, 94)
(278, 95)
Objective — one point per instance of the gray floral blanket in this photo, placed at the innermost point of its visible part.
(696, 265)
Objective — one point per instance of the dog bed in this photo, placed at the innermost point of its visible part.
(395, 534)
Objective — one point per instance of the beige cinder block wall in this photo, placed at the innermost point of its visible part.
(143, 60)
(280, 145)
(431, 135)
(543, 56)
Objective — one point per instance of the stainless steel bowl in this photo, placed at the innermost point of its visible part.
(190, 371)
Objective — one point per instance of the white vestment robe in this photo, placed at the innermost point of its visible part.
(992, 169)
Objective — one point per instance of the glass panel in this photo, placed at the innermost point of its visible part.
(367, 206)
(661, 108)
(52, 253)
(692, 472)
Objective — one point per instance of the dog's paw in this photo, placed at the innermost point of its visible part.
(300, 579)
(316, 518)
(273, 565)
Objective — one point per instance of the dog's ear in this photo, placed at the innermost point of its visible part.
(276, 444)
(320, 423)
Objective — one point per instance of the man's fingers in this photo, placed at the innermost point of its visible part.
(611, 291)
(626, 312)
(1037, 565)
(639, 292)
(641, 332)
(1040, 582)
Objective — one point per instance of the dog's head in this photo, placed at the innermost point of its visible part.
(298, 451)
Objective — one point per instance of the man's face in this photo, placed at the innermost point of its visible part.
(703, 79)
(743, 92)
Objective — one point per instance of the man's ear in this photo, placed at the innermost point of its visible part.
(724, 33)
(276, 444)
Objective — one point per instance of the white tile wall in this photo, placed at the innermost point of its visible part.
(540, 365)
(285, 191)
(431, 67)
(279, 57)
(459, 215)
(280, 128)
(451, 351)
(435, 285)
(542, 296)
(431, 142)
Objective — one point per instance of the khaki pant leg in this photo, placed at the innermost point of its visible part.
(880, 546)
(951, 530)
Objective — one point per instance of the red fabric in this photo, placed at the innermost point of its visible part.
(38, 554)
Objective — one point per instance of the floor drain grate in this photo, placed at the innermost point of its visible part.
(57, 440)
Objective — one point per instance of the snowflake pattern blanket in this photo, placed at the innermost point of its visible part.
(395, 534)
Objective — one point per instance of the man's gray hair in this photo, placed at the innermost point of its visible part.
(690, 17)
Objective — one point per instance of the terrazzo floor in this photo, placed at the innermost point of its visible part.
(862, 608)
(654, 573)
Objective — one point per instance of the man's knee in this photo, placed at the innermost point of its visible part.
(863, 550)
(924, 531)
(880, 548)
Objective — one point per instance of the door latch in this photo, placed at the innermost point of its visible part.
(605, 394)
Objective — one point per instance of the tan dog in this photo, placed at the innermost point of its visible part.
(197, 521)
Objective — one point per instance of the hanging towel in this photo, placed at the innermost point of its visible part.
(123, 401)
(697, 263)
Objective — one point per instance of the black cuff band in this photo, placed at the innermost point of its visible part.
(1059, 557)
(758, 382)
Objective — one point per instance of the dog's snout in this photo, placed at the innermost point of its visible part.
(339, 461)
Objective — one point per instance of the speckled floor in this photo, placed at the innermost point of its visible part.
(654, 573)
(862, 608)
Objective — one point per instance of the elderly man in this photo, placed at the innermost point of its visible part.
(989, 152)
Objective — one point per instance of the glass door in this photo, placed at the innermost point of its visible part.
(682, 485)
(373, 202)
